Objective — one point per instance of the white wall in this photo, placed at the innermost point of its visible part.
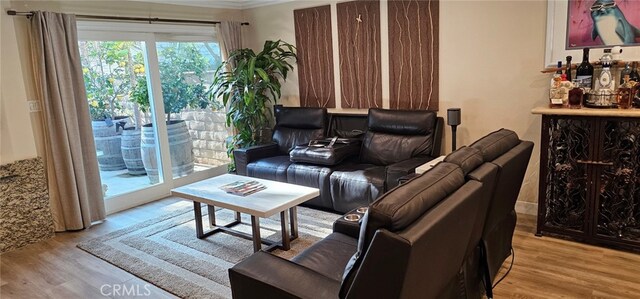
(491, 54)
(16, 137)
(20, 130)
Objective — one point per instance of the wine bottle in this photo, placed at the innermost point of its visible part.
(584, 72)
(634, 76)
(568, 71)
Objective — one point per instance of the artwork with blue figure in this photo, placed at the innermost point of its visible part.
(610, 24)
(603, 23)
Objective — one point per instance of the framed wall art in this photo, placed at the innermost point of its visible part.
(570, 28)
(603, 23)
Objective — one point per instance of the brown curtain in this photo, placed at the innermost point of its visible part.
(231, 34)
(72, 169)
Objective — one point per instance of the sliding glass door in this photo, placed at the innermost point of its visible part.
(154, 124)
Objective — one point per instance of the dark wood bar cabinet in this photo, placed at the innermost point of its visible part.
(590, 176)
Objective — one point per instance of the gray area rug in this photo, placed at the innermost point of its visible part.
(165, 251)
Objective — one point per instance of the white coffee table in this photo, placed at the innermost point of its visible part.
(276, 198)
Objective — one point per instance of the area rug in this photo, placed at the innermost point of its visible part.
(165, 251)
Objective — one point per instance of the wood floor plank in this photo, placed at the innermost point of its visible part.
(547, 267)
(544, 267)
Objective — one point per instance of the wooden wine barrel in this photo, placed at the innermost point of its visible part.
(131, 151)
(180, 150)
(107, 146)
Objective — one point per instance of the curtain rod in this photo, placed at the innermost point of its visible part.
(29, 14)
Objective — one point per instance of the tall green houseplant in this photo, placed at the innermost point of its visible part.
(247, 83)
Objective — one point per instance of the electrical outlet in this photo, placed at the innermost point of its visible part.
(34, 106)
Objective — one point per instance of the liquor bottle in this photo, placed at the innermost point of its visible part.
(625, 72)
(606, 80)
(575, 95)
(584, 72)
(634, 76)
(568, 71)
(605, 83)
(557, 74)
(556, 95)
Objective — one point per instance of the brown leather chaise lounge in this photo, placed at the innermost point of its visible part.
(404, 255)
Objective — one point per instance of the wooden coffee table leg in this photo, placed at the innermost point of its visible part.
(212, 215)
(238, 217)
(255, 229)
(293, 215)
(197, 211)
(284, 223)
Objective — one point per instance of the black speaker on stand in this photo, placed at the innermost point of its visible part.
(454, 116)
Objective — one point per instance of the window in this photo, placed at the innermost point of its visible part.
(148, 91)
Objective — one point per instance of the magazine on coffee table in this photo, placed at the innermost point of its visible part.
(243, 188)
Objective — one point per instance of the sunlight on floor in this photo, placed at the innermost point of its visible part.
(120, 181)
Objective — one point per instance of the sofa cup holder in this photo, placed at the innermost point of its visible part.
(352, 217)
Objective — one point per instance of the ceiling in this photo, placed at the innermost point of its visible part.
(231, 4)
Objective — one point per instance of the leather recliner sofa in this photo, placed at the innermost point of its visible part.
(412, 243)
(394, 143)
(496, 164)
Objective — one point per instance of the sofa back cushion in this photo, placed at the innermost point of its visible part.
(397, 135)
(298, 125)
(345, 125)
(496, 143)
(467, 158)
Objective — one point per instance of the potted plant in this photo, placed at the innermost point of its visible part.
(248, 83)
(182, 72)
(106, 77)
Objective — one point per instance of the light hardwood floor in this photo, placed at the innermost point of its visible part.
(544, 267)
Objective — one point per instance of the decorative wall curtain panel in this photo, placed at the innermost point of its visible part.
(315, 56)
(359, 42)
(74, 181)
(413, 54)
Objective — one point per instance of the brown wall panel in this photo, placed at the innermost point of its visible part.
(359, 41)
(413, 54)
(315, 56)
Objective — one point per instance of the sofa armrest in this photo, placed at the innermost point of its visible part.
(244, 156)
(263, 275)
(349, 228)
(397, 170)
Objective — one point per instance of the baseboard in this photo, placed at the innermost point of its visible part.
(529, 208)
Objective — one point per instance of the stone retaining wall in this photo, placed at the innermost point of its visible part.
(209, 132)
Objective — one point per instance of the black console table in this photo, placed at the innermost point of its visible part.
(590, 176)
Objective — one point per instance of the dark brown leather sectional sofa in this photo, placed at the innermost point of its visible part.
(390, 144)
(442, 234)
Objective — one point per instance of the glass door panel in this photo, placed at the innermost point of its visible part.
(116, 83)
(196, 126)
